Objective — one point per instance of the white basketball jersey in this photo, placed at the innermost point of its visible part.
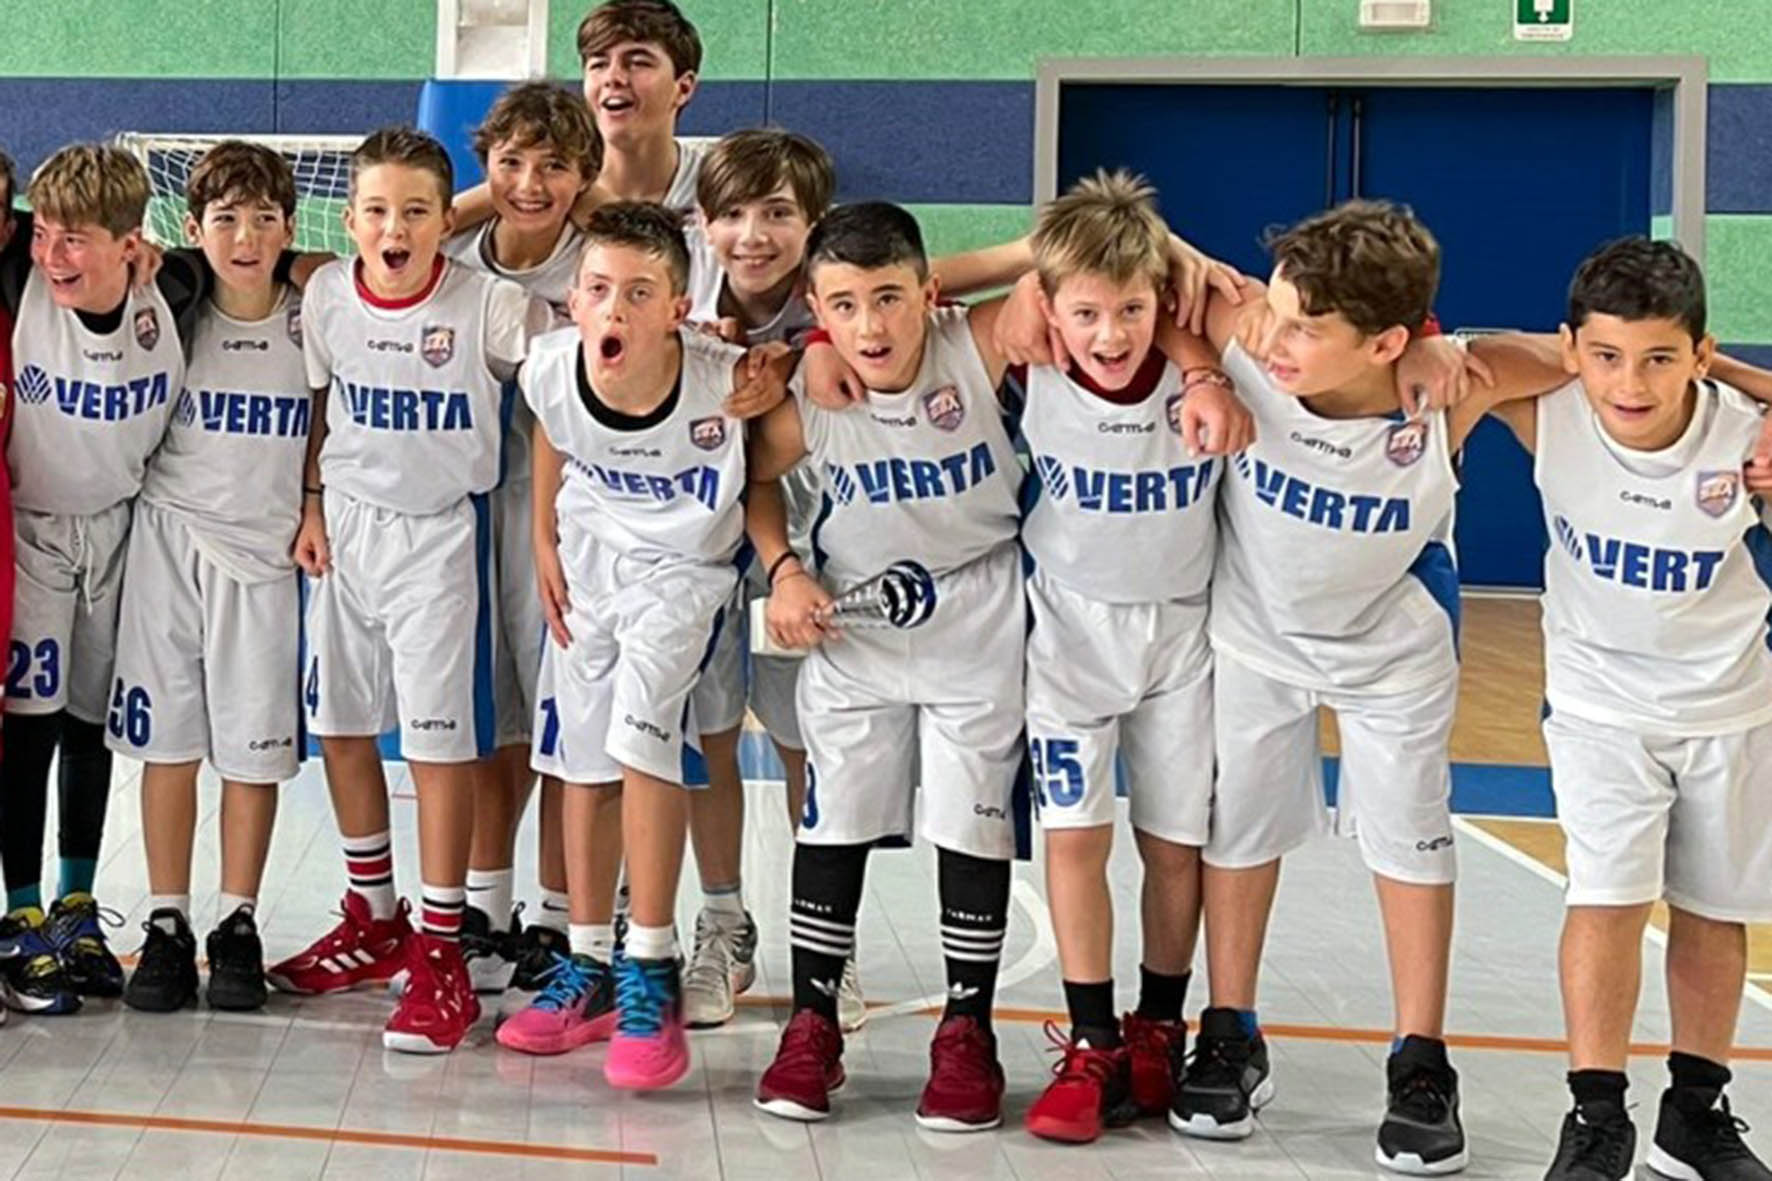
(1335, 567)
(928, 473)
(91, 408)
(681, 195)
(1122, 515)
(550, 281)
(707, 281)
(413, 412)
(668, 490)
(1655, 616)
(231, 464)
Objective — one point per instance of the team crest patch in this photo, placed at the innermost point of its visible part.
(33, 385)
(147, 328)
(1717, 491)
(1172, 411)
(437, 345)
(945, 409)
(708, 433)
(292, 324)
(1406, 443)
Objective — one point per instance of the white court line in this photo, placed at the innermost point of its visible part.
(1751, 990)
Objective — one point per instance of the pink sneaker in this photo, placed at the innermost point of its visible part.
(575, 1008)
(649, 1051)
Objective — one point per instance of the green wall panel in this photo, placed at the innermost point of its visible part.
(137, 39)
(995, 39)
(1739, 283)
(1735, 36)
(734, 37)
(383, 39)
(948, 228)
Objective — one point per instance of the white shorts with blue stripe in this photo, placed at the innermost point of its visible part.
(401, 630)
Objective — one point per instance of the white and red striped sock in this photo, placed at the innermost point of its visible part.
(440, 909)
(369, 863)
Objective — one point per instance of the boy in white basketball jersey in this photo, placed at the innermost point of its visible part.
(641, 59)
(411, 351)
(540, 150)
(1335, 585)
(209, 635)
(639, 474)
(1119, 535)
(98, 362)
(1659, 688)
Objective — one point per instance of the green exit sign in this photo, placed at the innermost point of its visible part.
(1543, 20)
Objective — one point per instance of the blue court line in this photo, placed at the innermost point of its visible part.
(1486, 789)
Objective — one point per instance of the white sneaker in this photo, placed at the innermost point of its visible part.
(707, 981)
(852, 1010)
(744, 955)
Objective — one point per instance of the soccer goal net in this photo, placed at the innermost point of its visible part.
(321, 163)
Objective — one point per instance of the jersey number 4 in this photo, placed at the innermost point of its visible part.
(1058, 776)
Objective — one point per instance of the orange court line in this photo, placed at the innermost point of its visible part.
(1335, 1033)
(163, 1123)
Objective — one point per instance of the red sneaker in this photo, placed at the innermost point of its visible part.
(1093, 1089)
(359, 951)
(1156, 1049)
(439, 1006)
(808, 1066)
(965, 1088)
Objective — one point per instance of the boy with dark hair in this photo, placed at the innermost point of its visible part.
(208, 640)
(408, 354)
(540, 150)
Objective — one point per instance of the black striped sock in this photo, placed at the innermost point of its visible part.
(821, 922)
(974, 920)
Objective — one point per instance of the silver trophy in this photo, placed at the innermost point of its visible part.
(900, 596)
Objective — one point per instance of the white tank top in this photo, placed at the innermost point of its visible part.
(1120, 514)
(928, 473)
(231, 463)
(550, 281)
(90, 408)
(1335, 566)
(413, 415)
(667, 491)
(1655, 616)
(681, 195)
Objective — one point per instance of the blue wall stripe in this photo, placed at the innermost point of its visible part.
(919, 141)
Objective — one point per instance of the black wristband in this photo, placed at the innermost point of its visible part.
(312, 491)
(769, 578)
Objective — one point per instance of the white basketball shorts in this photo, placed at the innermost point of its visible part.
(401, 629)
(207, 666)
(64, 611)
(1127, 678)
(522, 627)
(1647, 817)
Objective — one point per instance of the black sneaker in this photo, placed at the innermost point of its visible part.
(236, 964)
(165, 977)
(1598, 1144)
(536, 948)
(1421, 1134)
(488, 954)
(1703, 1144)
(74, 927)
(1226, 1082)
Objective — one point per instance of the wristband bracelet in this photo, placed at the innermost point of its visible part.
(769, 577)
(1205, 375)
(313, 491)
(815, 336)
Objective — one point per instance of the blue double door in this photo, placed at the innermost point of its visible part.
(1518, 184)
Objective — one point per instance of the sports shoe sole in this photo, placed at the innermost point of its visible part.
(235, 997)
(788, 1109)
(1062, 1133)
(1204, 1127)
(36, 1006)
(598, 1029)
(413, 1043)
(159, 1004)
(947, 1123)
(1663, 1165)
(1409, 1164)
(623, 1078)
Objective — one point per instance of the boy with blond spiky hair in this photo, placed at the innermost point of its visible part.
(1120, 535)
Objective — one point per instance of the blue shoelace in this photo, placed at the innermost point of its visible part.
(641, 994)
(567, 983)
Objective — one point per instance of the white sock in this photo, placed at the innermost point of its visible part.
(652, 943)
(727, 901)
(555, 906)
(178, 902)
(227, 904)
(596, 940)
(489, 892)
